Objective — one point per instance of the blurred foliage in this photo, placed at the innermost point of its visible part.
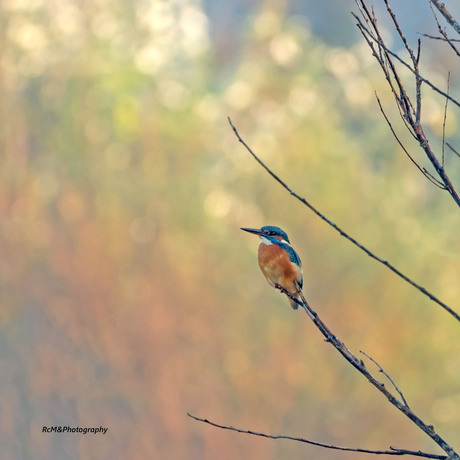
(128, 294)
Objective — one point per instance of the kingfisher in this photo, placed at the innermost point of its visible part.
(279, 262)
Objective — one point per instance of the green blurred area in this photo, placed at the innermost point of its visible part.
(130, 297)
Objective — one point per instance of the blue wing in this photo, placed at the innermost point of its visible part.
(294, 257)
(292, 254)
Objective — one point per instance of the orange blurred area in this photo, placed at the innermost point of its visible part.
(129, 296)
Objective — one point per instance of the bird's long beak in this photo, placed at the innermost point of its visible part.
(256, 231)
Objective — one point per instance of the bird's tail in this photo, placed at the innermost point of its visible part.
(293, 303)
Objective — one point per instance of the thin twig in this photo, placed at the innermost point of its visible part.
(382, 370)
(415, 61)
(419, 50)
(400, 32)
(392, 451)
(361, 367)
(422, 170)
(338, 229)
(443, 32)
(449, 18)
(418, 84)
(446, 39)
(404, 63)
(453, 150)
(444, 121)
(410, 115)
(441, 38)
(387, 65)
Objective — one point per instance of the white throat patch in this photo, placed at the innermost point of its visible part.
(266, 241)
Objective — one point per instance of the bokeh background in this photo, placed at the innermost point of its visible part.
(128, 294)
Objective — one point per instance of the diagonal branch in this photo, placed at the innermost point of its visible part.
(449, 18)
(392, 451)
(415, 60)
(454, 40)
(364, 29)
(343, 233)
(422, 170)
(410, 116)
(443, 32)
(453, 150)
(444, 122)
(359, 365)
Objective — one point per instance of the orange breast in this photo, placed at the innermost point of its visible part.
(278, 268)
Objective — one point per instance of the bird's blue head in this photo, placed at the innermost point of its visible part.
(269, 231)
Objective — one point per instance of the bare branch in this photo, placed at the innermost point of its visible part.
(392, 451)
(418, 84)
(400, 32)
(410, 115)
(443, 32)
(341, 232)
(382, 370)
(444, 121)
(404, 63)
(449, 18)
(385, 62)
(441, 38)
(422, 170)
(453, 150)
(360, 367)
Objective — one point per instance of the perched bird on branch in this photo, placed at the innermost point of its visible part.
(279, 262)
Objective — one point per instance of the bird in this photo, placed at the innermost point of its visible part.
(279, 262)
